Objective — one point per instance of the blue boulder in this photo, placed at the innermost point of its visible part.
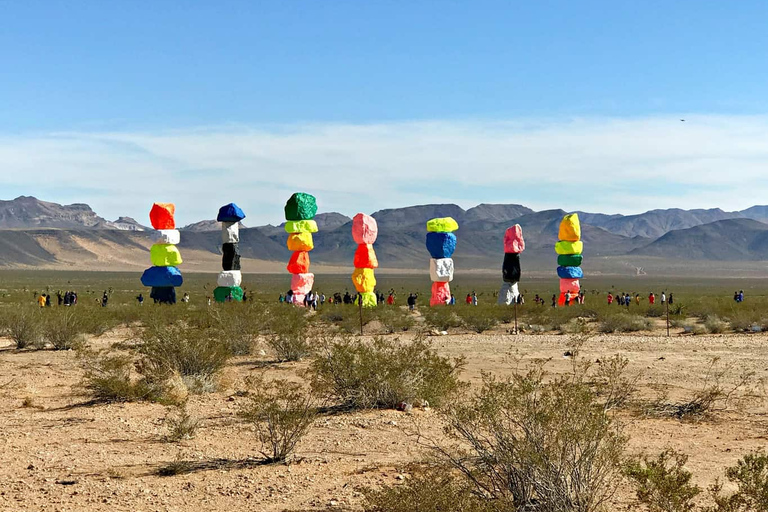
(161, 277)
(570, 272)
(230, 213)
(441, 245)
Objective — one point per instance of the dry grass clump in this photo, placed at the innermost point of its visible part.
(108, 377)
(394, 319)
(289, 333)
(281, 412)
(479, 318)
(181, 424)
(64, 328)
(441, 318)
(23, 326)
(383, 373)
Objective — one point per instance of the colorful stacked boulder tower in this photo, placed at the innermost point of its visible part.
(164, 275)
(569, 250)
(364, 232)
(514, 244)
(441, 243)
(230, 279)
(300, 213)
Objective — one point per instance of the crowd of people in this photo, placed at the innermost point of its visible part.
(67, 298)
(625, 299)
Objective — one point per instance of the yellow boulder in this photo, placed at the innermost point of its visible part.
(570, 228)
(300, 242)
(364, 280)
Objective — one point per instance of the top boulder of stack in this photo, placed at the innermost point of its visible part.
(364, 229)
(570, 228)
(162, 216)
(442, 225)
(513, 240)
(230, 213)
(300, 206)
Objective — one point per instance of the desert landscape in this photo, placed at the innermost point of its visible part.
(70, 445)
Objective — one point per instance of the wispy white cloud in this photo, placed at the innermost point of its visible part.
(610, 165)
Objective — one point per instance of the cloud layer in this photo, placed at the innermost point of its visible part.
(607, 165)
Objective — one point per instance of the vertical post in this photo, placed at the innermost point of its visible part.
(516, 316)
(360, 305)
(667, 304)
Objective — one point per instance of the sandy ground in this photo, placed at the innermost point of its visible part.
(60, 453)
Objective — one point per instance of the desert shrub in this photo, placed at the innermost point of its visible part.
(578, 325)
(611, 382)
(63, 328)
(108, 377)
(196, 355)
(663, 484)
(394, 319)
(239, 326)
(383, 373)
(441, 318)
(624, 323)
(714, 325)
(23, 327)
(282, 413)
(750, 475)
(289, 334)
(478, 319)
(180, 424)
(433, 491)
(720, 388)
(535, 442)
(655, 311)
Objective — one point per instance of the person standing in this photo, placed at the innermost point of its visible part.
(610, 298)
(554, 301)
(411, 301)
(41, 300)
(474, 299)
(663, 298)
(671, 299)
(104, 299)
(140, 299)
(651, 299)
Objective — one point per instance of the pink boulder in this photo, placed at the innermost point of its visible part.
(364, 229)
(513, 239)
(302, 283)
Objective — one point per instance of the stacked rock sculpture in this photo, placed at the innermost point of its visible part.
(300, 212)
(230, 279)
(364, 232)
(569, 250)
(164, 275)
(441, 243)
(514, 244)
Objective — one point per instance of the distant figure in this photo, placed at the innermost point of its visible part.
(610, 298)
(347, 298)
(452, 302)
(651, 299)
(536, 299)
(671, 299)
(474, 299)
(663, 298)
(637, 298)
(411, 302)
(41, 300)
(628, 300)
(741, 295)
(185, 297)
(48, 300)
(391, 299)
(281, 299)
(469, 299)
(59, 298)
(140, 299)
(322, 299)
(568, 298)
(554, 301)
(104, 299)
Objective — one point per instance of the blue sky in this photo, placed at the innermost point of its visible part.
(101, 88)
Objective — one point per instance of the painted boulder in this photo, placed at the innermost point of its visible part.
(442, 225)
(365, 257)
(510, 268)
(165, 255)
(161, 216)
(565, 247)
(230, 278)
(300, 206)
(162, 277)
(299, 263)
(300, 242)
(441, 245)
(364, 280)
(441, 271)
(301, 226)
(230, 213)
(364, 229)
(302, 283)
(441, 294)
(570, 228)
(513, 239)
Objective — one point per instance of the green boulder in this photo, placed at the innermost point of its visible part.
(570, 260)
(301, 206)
(221, 293)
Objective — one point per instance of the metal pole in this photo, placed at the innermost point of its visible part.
(667, 303)
(515, 316)
(360, 303)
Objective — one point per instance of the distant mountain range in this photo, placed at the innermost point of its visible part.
(36, 233)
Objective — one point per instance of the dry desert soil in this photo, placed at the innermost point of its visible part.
(61, 452)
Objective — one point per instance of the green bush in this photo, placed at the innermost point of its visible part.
(714, 325)
(394, 319)
(625, 323)
(663, 484)
(282, 413)
(108, 377)
(196, 355)
(478, 318)
(289, 333)
(383, 373)
(535, 442)
(433, 491)
(750, 475)
(441, 318)
(23, 326)
(64, 328)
